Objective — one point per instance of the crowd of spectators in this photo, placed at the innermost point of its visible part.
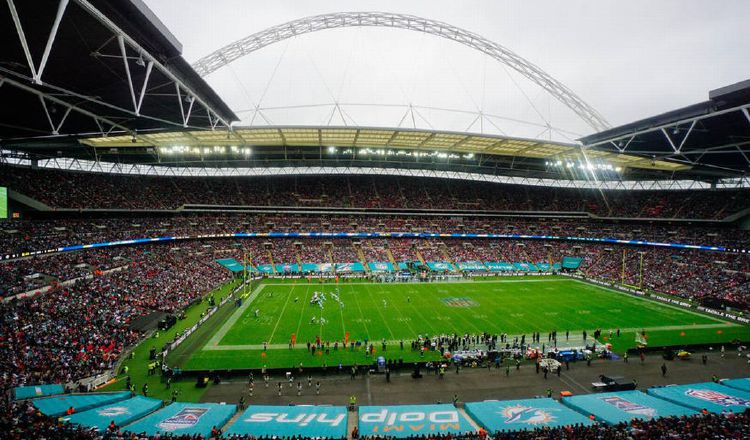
(150, 192)
(31, 235)
(76, 331)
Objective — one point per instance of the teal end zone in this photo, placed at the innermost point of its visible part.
(440, 266)
(622, 407)
(408, 420)
(740, 384)
(380, 266)
(708, 395)
(519, 415)
(184, 418)
(289, 421)
(28, 392)
(121, 413)
(56, 406)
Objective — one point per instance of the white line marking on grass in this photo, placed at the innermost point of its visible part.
(217, 337)
(655, 302)
(394, 341)
(281, 315)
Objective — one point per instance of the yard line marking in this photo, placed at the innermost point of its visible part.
(281, 316)
(385, 321)
(302, 312)
(572, 332)
(219, 335)
(653, 301)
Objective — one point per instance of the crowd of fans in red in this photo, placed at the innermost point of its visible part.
(88, 190)
(74, 331)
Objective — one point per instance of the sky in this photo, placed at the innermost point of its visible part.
(627, 59)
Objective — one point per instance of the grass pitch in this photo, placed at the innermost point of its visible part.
(396, 312)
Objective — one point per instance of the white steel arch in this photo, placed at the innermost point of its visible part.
(259, 40)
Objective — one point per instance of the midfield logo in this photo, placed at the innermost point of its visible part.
(113, 411)
(526, 414)
(718, 398)
(460, 302)
(186, 418)
(412, 421)
(300, 419)
(629, 407)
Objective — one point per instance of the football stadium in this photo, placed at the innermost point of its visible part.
(433, 220)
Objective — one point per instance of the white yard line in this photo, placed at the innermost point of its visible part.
(217, 337)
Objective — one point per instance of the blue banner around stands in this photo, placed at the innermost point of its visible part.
(349, 267)
(265, 268)
(287, 268)
(624, 406)
(380, 266)
(184, 418)
(403, 265)
(708, 395)
(232, 264)
(518, 415)
(30, 391)
(440, 266)
(409, 420)
(56, 406)
(526, 267)
(287, 421)
(471, 266)
(740, 384)
(122, 413)
(499, 266)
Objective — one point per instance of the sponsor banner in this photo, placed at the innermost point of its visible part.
(711, 396)
(380, 266)
(287, 268)
(265, 268)
(622, 407)
(28, 392)
(471, 265)
(121, 413)
(440, 266)
(740, 384)
(56, 406)
(349, 267)
(411, 420)
(499, 266)
(184, 418)
(519, 415)
(288, 421)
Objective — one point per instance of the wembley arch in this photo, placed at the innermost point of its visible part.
(259, 40)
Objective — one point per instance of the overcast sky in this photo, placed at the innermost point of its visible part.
(628, 59)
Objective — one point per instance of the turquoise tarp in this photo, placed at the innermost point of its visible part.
(122, 413)
(184, 418)
(288, 421)
(518, 415)
(708, 395)
(30, 391)
(408, 420)
(56, 406)
(624, 406)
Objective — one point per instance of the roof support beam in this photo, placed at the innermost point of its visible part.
(22, 37)
(51, 39)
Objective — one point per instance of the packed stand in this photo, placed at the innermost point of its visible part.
(386, 192)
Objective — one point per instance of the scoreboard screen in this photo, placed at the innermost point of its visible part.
(3, 202)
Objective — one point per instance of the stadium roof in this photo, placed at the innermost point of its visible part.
(711, 137)
(366, 141)
(94, 66)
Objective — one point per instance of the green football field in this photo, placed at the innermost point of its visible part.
(393, 312)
